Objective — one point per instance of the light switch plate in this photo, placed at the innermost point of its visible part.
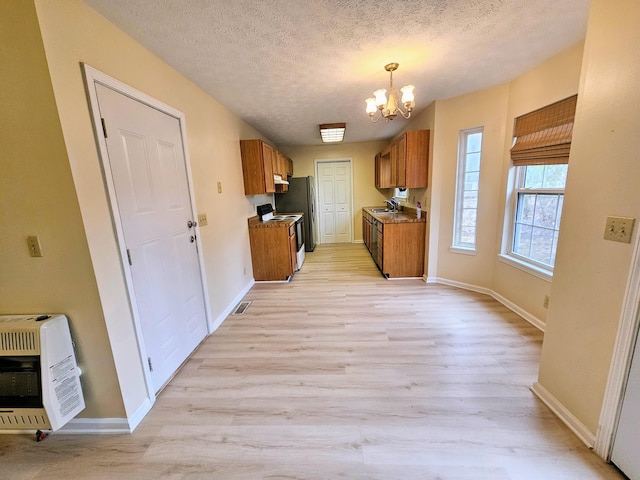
(33, 242)
(619, 229)
(202, 219)
(219, 187)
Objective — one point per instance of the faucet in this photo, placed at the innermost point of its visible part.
(392, 204)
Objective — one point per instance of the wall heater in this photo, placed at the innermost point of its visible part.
(39, 377)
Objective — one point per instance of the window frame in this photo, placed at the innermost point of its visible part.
(530, 265)
(457, 245)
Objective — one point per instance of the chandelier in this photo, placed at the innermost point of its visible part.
(389, 109)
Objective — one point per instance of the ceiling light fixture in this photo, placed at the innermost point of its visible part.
(332, 132)
(390, 109)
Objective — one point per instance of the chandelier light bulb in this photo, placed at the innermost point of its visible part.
(381, 97)
(407, 95)
(371, 105)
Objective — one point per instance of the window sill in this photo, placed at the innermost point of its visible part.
(463, 250)
(543, 274)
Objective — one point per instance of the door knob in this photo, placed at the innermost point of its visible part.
(191, 224)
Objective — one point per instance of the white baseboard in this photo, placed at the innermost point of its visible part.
(532, 319)
(98, 426)
(568, 418)
(85, 426)
(231, 306)
(80, 426)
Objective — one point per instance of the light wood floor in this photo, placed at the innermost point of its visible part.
(340, 374)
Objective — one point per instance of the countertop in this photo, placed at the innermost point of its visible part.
(408, 215)
(255, 222)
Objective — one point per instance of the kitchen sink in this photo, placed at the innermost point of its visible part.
(379, 210)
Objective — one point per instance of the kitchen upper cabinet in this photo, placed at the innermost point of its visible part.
(258, 159)
(405, 162)
(284, 166)
(260, 162)
(383, 168)
(289, 167)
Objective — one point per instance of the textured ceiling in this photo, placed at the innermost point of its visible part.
(286, 66)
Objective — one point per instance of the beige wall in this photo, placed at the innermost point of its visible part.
(362, 156)
(37, 196)
(555, 79)
(73, 33)
(488, 109)
(604, 179)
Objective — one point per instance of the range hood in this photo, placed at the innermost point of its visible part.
(277, 179)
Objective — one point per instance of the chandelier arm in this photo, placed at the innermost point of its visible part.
(402, 112)
(371, 117)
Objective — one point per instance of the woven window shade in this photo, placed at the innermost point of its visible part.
(543, 137)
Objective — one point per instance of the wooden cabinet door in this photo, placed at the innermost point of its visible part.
(273, 252)
(403, 246)
(381, 246)
(293, 258)
(417, 158)
(384, 169)
(401, 161)
(267, 162)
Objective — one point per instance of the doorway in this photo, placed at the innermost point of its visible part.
(626, 450)
(622, 393)
(335, 200)
(145, 165)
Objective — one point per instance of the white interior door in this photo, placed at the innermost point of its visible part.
(626, 448)
(148, 167)
(334, 198)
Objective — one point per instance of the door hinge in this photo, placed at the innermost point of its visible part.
(104, 128)
(129, 257)
(150, 364)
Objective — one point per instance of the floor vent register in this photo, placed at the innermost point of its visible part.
(241, 308)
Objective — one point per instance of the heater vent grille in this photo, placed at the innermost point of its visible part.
(18, 421)
(19, 342)
(241, 308)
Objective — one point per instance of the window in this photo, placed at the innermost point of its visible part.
(401, 193)
(540, 158)
(539, 195)
(467, 185)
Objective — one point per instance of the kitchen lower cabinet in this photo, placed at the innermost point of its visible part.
(401, 249)
(396, 242)
(273, 251)
(366, 229)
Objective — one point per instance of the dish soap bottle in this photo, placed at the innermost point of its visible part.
(418, 210)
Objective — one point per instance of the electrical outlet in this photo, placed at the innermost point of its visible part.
(202, 219)
(33, 242)
(619, 229)
(545, 303)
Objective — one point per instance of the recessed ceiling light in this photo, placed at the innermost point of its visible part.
(332, 132)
